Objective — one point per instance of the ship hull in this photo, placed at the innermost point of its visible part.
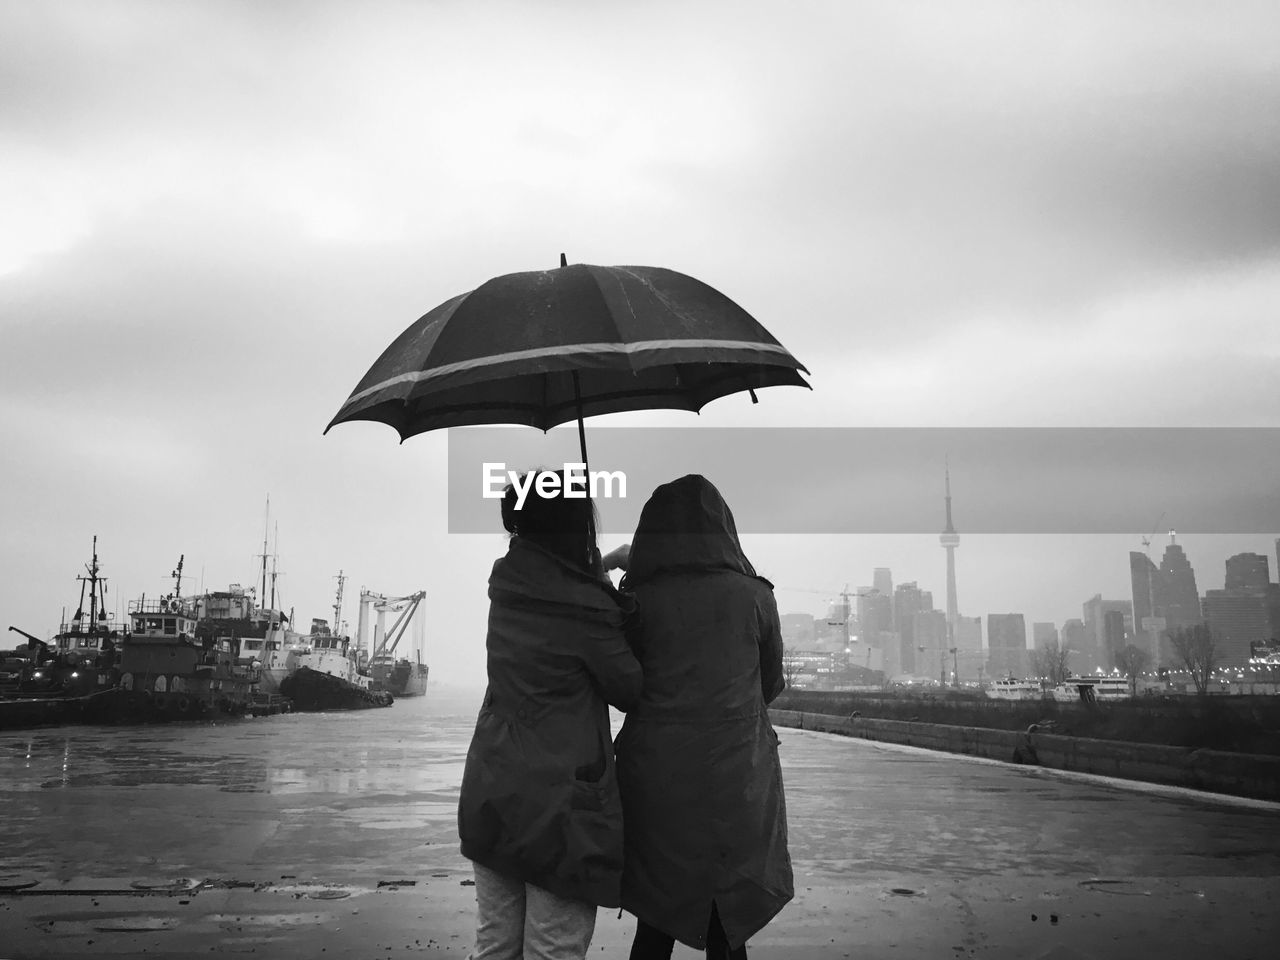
(312, 690)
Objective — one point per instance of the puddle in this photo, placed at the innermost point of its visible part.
(134, 924)
(311, 891)
(179, 885)
(1122, 887)
(263, 919)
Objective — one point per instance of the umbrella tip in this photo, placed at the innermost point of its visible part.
(754, 398)
(563, 262)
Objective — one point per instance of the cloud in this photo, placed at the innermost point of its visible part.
(217, 214)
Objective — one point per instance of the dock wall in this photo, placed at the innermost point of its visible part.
(1216, 771)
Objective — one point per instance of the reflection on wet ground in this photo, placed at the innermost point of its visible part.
(256, 833)
(232, 797)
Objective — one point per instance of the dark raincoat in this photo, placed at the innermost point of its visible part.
(539, 795)
(704, 813)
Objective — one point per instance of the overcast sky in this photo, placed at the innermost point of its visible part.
(217, 214)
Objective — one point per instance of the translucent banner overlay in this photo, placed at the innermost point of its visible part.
(891, 480)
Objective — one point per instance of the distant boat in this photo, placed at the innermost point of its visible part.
(1010, 688)
(401, 676)
(81, 657)
(170, 671)
(316, 671)
(1091, 689)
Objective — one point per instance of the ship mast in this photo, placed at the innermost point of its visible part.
(337, 606)
(266, 529)
(93, 586)
(177, 577)
(97, 587)
(275, 555)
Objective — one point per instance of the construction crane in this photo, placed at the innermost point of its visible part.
(845, 596)
(1146, 541)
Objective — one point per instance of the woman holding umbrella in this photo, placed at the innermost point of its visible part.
(539, 812)
(704, 815)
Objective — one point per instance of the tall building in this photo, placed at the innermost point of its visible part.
(1247, 571)
(968, 660)
(950, 540)
(1043, 634)
(1148, 625)
(907, 599)
(1073, 640)
(1245, 611)
(875, 612)
(1179, 598)
(1100, 642)
(1238, 619)
(933, 658)
(1007, 645)
(882, 581)
(1115, 636)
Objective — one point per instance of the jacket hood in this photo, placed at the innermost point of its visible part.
(685, 525)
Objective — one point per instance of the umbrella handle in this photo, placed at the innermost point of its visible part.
(582, 446)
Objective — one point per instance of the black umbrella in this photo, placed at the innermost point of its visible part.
(550, 346)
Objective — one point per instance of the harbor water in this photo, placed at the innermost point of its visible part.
(334, 834)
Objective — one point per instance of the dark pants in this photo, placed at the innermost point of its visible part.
(652, 944)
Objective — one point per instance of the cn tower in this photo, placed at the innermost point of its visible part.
(950, 540)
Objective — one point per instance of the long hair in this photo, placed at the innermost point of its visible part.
(563, 525)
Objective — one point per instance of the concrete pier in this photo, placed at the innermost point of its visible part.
(334, 835)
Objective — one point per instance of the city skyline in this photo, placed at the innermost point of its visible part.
(1107, 600)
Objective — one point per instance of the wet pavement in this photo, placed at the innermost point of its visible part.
(333, 835)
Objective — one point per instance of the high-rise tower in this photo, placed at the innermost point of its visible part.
(950, 540)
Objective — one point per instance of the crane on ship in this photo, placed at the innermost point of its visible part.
(384, 642)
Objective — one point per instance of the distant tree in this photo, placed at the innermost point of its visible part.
(1197, 648)
(789, 665)
(1130, 661)
(1049, 660)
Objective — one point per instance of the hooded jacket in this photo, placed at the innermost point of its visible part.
(539, 798)
(704, 811)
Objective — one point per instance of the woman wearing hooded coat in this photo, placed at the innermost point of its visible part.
(539, 812)
(704, 814)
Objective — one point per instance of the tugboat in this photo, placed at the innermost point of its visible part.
(49, 682)
(325, 674)
(170, 670)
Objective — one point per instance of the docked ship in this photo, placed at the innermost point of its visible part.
(170, 669)
(404, 675)
(81, 657)
(322, 669)
(1011, 688)
(259, 635)
(1091, 689)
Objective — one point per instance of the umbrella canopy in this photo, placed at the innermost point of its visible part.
(547, 347)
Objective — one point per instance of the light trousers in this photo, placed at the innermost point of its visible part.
(518, 921)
